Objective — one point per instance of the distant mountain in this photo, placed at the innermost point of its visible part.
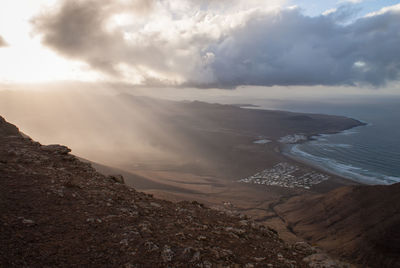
(360, 223)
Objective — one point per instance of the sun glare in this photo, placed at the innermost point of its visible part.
(25, 59)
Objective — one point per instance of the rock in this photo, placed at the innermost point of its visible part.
(207, 264)
(196, 256)
(7, 129)
(239, 231)
(321, 260)
(226, 253)
(116, 178)
(180, 235)
(228, 229)
(244, 223)
(272, 230)
(124, 242)
(27, 221)
(303, 248)
(60, 192)
(187, 252)
(234, 236)
(167, 254)
(71, 183)
(56, 149)
(201, 237)
(154, 204)
(150, 246)
(69, 157)
(200, 205)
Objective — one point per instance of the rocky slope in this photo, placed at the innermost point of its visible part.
(360, 223)
(56, 211)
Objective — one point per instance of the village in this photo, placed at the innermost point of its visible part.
(282, 175)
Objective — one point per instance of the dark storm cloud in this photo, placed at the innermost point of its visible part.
(265, 48)
(292, 49)
(3, 43)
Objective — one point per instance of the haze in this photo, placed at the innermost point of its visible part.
(64, 64)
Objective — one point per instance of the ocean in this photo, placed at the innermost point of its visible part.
(368, 154)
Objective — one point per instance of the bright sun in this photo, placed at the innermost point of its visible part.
(25, 59)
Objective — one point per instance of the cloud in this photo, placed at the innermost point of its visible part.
(139, 43)
(351, 1)
(329, 11)
(3, 43)
(394, 8)
(78, 31)
(287, 48)
(158, 43)
(199, 43)
(344, 14)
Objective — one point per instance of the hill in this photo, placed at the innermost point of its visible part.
(360, 223)
(57, 211)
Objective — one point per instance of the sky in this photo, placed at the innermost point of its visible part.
(202, 43)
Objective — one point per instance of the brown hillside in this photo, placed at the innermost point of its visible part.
(360, 223)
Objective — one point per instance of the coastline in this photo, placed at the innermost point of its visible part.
(279, 145)
(337, 176)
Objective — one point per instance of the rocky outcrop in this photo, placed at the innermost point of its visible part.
(116, 178)
(8, 129)
(56, 211)
(56, 149)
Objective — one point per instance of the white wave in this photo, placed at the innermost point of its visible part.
(332, 145)
(347, 132)
(340, 145)
(296, 151)
(392, 179)
(352, 172)
(264, 141)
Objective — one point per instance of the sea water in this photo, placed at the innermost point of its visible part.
(368, 154)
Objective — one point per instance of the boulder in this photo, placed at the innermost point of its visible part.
(117, 178)
(56, 149)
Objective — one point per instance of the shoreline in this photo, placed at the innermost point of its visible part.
(336, 176)
(336, 179)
